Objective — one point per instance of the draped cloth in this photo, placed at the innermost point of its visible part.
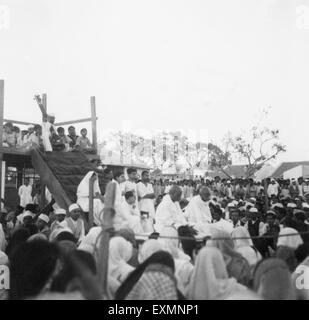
(169, 214)
(120, 252)
(83, 197)
(292, 241)
(210, 280)
(245, 246)
(198, 214)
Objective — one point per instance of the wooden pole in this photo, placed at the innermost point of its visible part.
(44, 101)
(107, 228)
(94, 123)
(91, 188)
(1, 129)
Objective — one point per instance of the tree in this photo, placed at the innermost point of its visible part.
(261, 146)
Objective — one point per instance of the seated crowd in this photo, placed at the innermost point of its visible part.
(212, 244)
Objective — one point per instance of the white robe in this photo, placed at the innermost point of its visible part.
(146, 205)
(24, 193)
(169, 214)
(46, 134)
(83, 198)
(198, 214)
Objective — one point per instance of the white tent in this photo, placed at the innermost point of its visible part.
(299, 171)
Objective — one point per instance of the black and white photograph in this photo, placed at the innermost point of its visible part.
(154, 150)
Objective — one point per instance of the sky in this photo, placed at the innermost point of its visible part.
(193, 65)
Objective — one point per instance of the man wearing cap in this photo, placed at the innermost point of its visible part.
(273, 188)
(252, 190)
(25, 193)
(228, 190)
(254, 225)
(60, 216)
(75, 222)
(42, 224)
(306, 210)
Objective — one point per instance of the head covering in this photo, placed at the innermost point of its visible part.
(277, 205)
(291, 240)
(210, 280)
(149, 247)
(271, 212)
(245, 246)
(237, 266)
(89, 242)
(74, 206)
(44, 217)
(60, 211)
(253, 210)
(83, 187)
(58, 231)
(272, 280)
(37, 236)
(120, 252)
(159, 258)
(52, 115)
(28, 214)
(305, 205)
(155, 284)
(291, 205)
(288, 256)
(231, 205)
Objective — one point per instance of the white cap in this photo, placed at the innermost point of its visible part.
(51, 115)
(291, 205)
(60, 211)
(253, 210)
(235, 203)
(44, 217)
(252, 199)
(31, 126)
(74, 206)
(231, 205)
(228, 181)
(28, 214)
(277, 205)
(305, 205)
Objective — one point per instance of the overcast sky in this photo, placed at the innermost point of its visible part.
(171, 64)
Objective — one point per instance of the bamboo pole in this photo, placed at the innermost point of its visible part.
(94, 123)
(91, 188)
(107, 228)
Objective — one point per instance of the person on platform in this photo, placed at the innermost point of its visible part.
(65, 140)
(72, 136)
(75, 222)
(25, 193)
(169, 213)
(146, 195)
(198, 212)
(83, 143)
(83, 197)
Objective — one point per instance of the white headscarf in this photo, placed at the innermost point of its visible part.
(120, 252)
(83, 188)
(292, 242)
(245, 246)
(210, 280)
(149, 247)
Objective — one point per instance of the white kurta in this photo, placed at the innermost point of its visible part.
(169, 214)
(198, 214)
(46, 134)
(83, 198)
(131, 186)
(24, 193)
(146, 205)
(224, 226)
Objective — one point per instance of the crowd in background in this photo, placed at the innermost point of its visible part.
(208, 239)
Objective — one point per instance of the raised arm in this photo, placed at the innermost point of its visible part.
(38, 99)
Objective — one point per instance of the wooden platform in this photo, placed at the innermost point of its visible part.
(16, 157)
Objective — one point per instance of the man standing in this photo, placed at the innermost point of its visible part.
(130, 184)
(272, 189)
(24, 193)
(146, 195)
(294, 191)
(169, 213)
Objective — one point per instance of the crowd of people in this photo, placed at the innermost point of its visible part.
(198, 239)
(46, 137)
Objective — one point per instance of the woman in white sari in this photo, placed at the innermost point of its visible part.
(120, 252)
(83, 197)
(210, 280)
(245, 246)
